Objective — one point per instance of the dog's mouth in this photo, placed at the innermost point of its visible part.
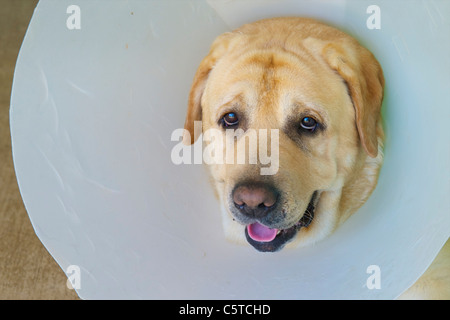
(265, 239)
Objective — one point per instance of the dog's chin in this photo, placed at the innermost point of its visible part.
(265, 239)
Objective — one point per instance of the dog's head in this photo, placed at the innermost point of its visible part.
(313, 95)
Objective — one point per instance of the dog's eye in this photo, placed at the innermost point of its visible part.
(230, 119)
(309, 123)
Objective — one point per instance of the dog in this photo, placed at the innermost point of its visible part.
(323, 92)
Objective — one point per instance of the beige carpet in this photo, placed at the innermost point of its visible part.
(27, 271)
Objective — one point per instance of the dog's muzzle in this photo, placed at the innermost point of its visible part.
(265, 239)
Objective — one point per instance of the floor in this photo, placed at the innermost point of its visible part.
(27, 271)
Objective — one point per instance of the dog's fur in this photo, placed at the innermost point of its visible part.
(272, 72)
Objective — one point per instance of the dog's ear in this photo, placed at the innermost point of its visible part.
(194, 110)
(365, 81)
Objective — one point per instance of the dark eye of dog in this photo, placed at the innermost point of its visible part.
(230, 119)
(309, 124)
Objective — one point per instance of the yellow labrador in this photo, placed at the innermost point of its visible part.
(321, 92)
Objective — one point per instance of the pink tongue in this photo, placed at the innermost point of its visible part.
(261, 233)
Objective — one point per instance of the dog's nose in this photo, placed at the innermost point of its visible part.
(254, 200)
